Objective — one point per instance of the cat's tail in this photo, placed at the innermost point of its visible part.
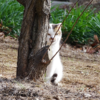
(53, 78)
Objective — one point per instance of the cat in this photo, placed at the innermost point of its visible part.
(54, 70)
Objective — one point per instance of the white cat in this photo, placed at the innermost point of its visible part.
(54, 71)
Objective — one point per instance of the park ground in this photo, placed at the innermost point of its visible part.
(81, 80)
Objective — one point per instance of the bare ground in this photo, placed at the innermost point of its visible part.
(81, 79)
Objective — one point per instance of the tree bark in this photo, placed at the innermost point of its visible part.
(33, 36)
(22, 2)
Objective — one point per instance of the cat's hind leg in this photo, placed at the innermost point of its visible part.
(57, 79)
(49, 73)
(53, 78)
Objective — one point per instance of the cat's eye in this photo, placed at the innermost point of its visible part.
(49, 34)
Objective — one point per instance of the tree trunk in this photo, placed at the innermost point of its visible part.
(33, 38)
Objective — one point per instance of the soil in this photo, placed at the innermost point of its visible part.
(81, 79)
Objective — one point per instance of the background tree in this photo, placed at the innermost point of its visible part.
(33, 38)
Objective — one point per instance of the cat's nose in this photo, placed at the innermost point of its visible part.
(52, 39)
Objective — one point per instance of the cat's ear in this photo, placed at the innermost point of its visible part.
(54, 26)
(60, 24)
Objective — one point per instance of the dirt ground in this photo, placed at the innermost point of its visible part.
(81, 80)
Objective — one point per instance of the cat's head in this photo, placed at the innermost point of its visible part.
(52, 32)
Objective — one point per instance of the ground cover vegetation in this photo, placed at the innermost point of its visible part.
(11, 16)
(87, 26)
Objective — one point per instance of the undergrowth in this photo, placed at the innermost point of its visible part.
(11, 15)
(87, 26)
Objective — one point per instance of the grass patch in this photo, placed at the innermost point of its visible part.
(11, 15)
(86, 27)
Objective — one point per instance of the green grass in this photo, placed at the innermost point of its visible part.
(87, 26)
(95, 24)
(11, 15)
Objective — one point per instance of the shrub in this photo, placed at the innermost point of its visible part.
(83, 30)
(11, 15)
(95, 24)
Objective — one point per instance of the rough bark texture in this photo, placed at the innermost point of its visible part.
(37, 66)
(33, 34)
